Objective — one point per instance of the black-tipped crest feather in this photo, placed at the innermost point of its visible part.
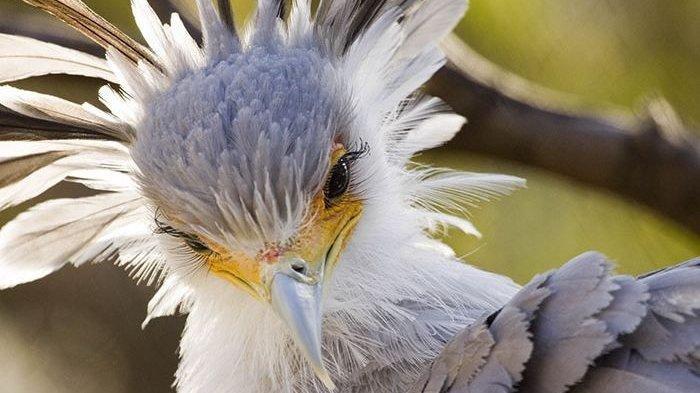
(18, 127)
(226, 14)
(79, 16)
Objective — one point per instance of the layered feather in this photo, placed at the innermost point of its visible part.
(219, 40)
(27, 169)
(173, 45)
(79, 16)
(72, 116)
(579, 329)
(52, 234)
(24, 57)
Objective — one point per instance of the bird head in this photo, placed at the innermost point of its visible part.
(259, 159)
(256, 177)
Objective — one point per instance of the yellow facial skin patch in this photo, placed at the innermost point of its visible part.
(319, 242)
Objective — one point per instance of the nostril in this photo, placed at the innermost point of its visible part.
(300, 267)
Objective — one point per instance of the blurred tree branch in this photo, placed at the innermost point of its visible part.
(653, 160)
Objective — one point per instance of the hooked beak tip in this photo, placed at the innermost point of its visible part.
(298, 304)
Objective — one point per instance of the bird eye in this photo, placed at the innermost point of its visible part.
(338, 180)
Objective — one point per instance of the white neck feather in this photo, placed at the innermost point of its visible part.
(385, 312)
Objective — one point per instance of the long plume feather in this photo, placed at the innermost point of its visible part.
(87, 118)
(79, 16)
(24, 57)
(57, 232)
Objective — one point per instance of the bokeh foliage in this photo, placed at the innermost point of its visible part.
(603, 53)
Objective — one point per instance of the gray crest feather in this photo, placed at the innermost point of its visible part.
(220, 39)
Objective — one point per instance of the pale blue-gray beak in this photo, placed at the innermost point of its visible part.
(296, 298)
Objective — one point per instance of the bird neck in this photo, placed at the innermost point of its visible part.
(391, 313)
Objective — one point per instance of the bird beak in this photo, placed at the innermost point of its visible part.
(291, 278)
(296, 298)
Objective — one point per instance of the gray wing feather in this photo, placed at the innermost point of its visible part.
(461, 359)
(625, 371)
(671, 330)
(579, 329)
(659, 339)
(496, 359)
(627, 308)
(675, 292)
(511, 330)
(565, 331)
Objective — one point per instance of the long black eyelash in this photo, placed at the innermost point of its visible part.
(190, 240)
(362, 151)
(164, 229)
(355, 154)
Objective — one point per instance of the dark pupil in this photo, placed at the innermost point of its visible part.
(339, 180)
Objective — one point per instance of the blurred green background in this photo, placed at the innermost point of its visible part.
(78, 331)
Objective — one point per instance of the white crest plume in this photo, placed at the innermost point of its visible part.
(232, 138)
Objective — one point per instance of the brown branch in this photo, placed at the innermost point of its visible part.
(652, 160)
